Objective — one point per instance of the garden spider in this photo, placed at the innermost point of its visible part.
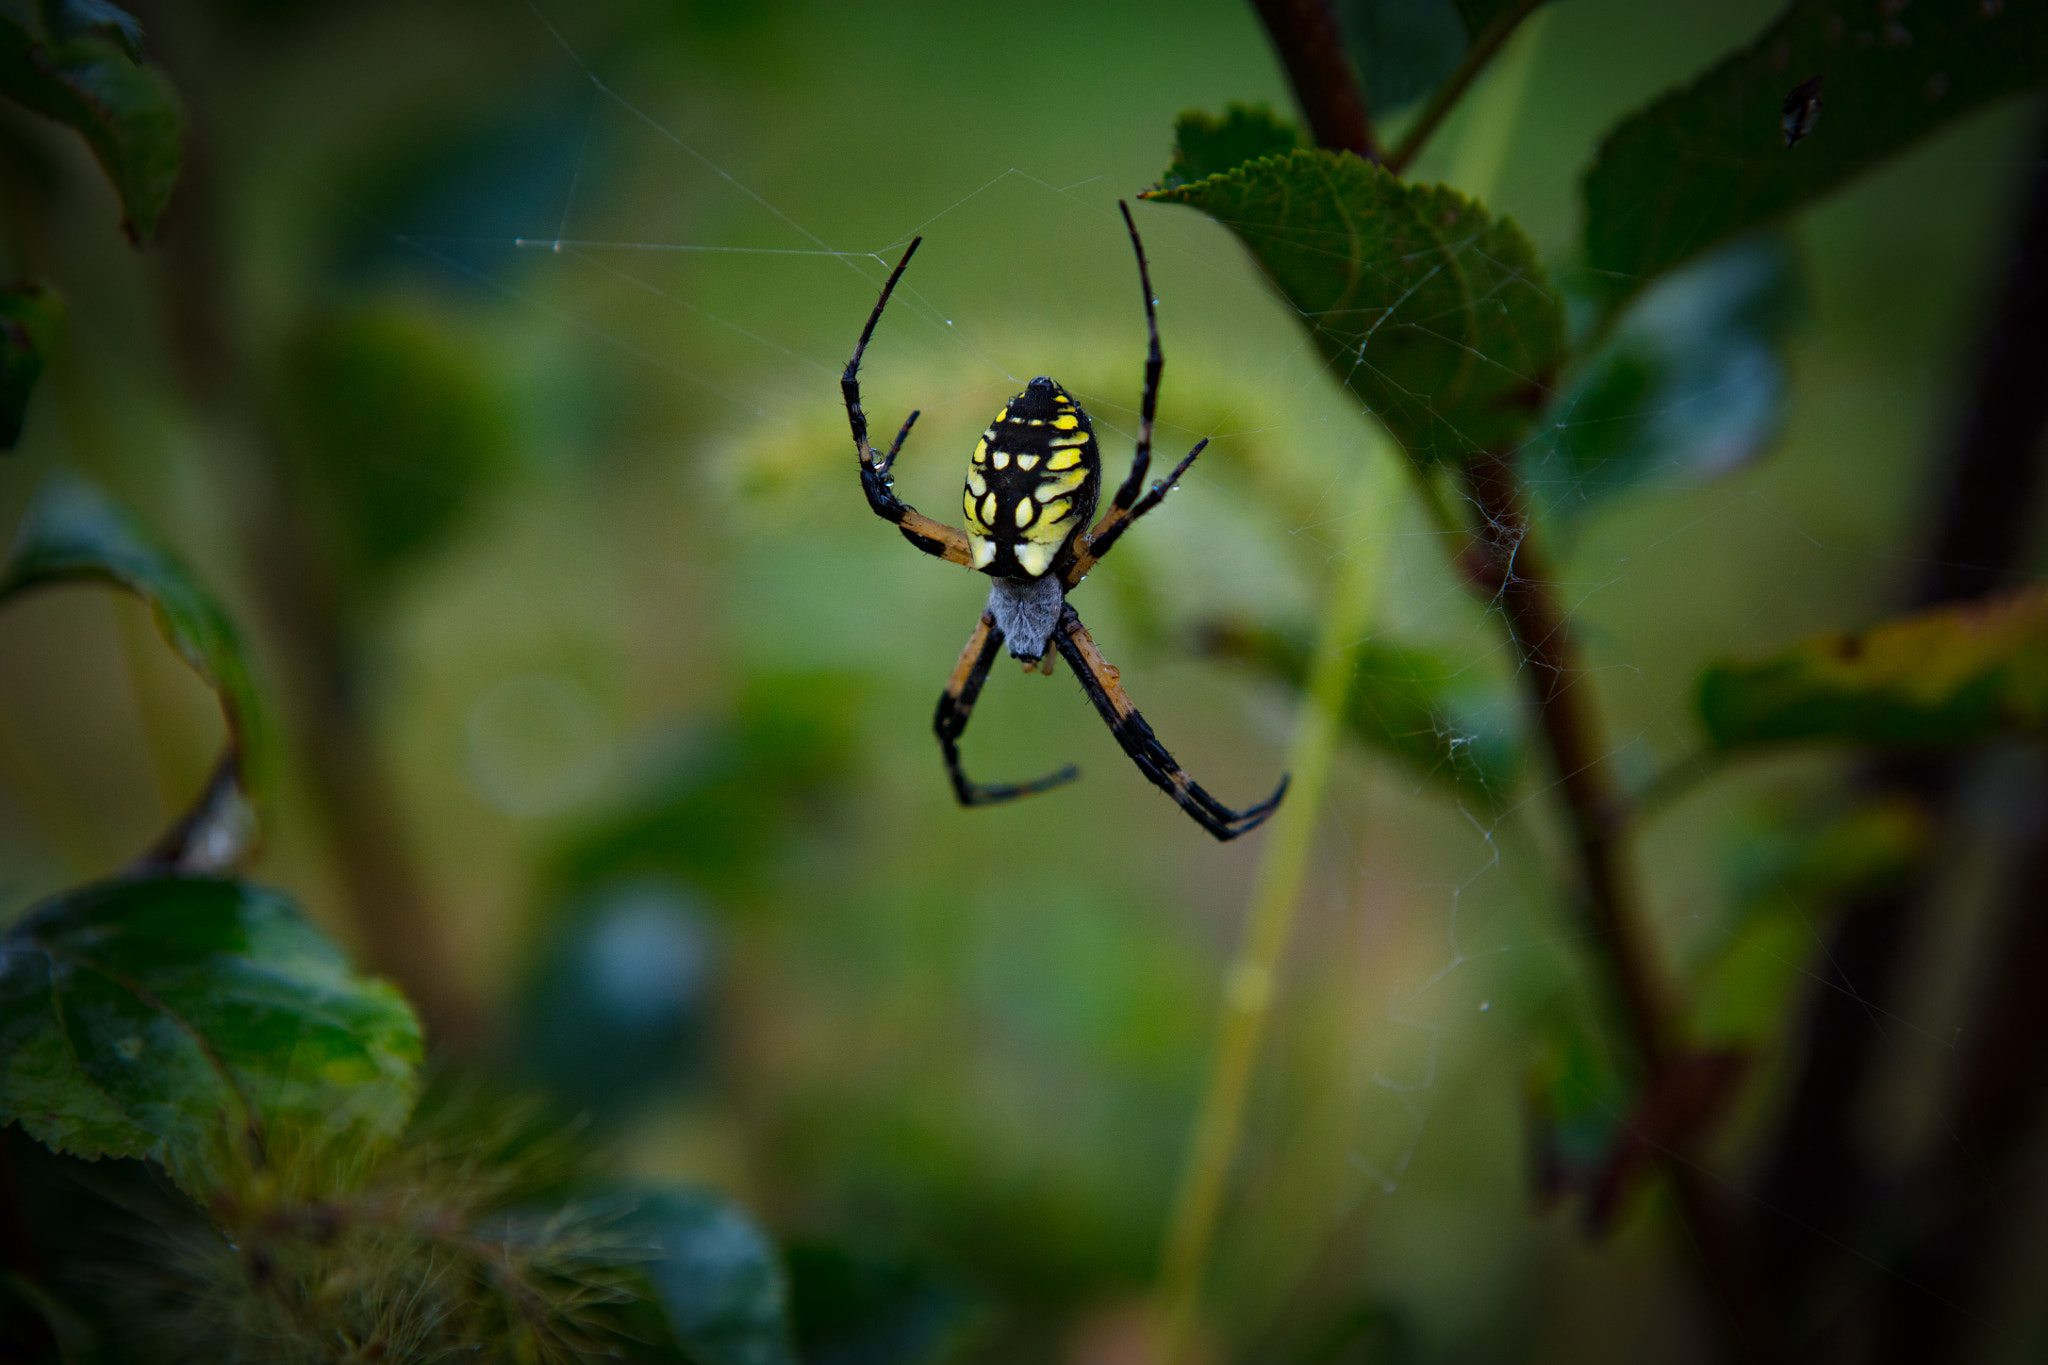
(1031, 489)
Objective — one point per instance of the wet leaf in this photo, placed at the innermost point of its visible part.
(184, 1020)
(1709, 161)
(73, 533)
(1431, 310)
(31, 325)
(79, 62)
(860, 1308)
(717, 1277)
(1690, 386)
(1408, 704)
(1206, 145)
(1951, 676)
(399, 431)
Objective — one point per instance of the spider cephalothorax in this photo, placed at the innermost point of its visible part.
(1032, 486)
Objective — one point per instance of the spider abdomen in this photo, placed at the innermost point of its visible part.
(1032, 484)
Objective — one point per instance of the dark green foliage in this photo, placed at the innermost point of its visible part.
(79, 61)
(398, 431)
(1709, 161)
(1691, 385)
(72, 533)
(617, 1011)
(1435, 313)
(31, 325)
(854, 1307)
(471, 1237)
(716, 1275)
(201, 1024)
(1403, 49)
(1444, 726)
(734, 792)
(1206, 145)
(1576, 1095)
(1788, 877)
(1956, 675)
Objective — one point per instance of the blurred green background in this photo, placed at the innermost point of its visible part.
(533, 316)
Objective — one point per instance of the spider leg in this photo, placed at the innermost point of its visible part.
(956, 705)
(1127, 506)
(1105, 689)
(933, 537)
(1117, 520)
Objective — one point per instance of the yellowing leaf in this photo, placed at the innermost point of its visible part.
(1950, 676)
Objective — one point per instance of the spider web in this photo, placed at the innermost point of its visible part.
(702, 260)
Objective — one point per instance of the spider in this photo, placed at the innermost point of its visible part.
(1032, 486)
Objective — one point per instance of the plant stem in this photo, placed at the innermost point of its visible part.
(1311, 46)
(1248, 986)
(1484, 48)
(1557, 688)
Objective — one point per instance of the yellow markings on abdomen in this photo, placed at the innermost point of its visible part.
(1064, 483)
(1035, 557)
(1030, 483)
(1048, 525)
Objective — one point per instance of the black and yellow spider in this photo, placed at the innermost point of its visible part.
(1031, 490)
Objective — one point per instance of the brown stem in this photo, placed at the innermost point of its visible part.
(1311, 47)
(1507, 562)
(1552, 676)
(1485, 47)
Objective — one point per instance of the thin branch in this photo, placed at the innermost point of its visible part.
(1311, 46)
(1484, 49)
(1557, 687)
(1250, 984)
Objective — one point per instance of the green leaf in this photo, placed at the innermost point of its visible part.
(31, 325)
(180, 1019)
(1408, 704)
(1435, 313)
(717, 1277)
(1955, 675)
(859, 1308)
(398, 429)
(1709, 161)
(1788, 877)
(73, 533)
(1692, 384)
(1205, 145)
(79, 62)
